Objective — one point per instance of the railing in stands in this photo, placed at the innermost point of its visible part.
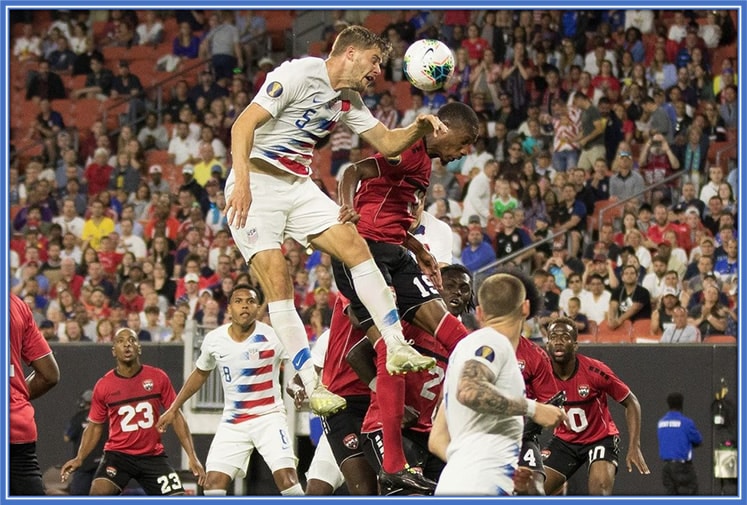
(645, 190)
(483, 273)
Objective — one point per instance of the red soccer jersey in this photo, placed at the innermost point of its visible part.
(337, 375)
(387, 203)
(536, 369)
(26, 345)
(589, 418)
(132, 406)
(422, 389)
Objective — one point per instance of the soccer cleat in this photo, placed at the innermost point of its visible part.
(323, 402)
(407, 479)
(533, 430)
(403, 358)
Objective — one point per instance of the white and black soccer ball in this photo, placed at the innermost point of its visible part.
(428, 64)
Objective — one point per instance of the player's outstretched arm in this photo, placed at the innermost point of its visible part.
(193, 384)
(391, 143)
(426, 261)
(633, 420)
(91, 436)
(477, 391)
(185, 439)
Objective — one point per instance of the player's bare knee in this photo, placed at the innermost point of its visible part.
(285, 478)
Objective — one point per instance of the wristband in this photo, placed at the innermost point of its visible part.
(531, 408)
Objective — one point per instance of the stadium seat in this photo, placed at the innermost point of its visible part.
(590, 336)
(86, 112)
(376, 21)
(621, 335)
(720, 339)
(316, 48)
(642, 332)
(612, 212)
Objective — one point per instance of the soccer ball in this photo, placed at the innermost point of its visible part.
(428, 64)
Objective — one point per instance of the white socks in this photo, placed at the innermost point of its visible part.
(294, 490)
(289, 328)
(214, 492)
(373, 292)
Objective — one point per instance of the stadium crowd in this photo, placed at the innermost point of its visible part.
(602, 181)
(632, 111)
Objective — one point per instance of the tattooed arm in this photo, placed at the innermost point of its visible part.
(477, 391)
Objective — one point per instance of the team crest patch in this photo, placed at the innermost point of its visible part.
(253, 354)
(545, 453)
(522, 364)
(111, 471)
(148, 385)
(583, 390)
(351, 441)
(486, 353)
(274, 89)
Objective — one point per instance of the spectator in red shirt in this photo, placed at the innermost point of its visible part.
(98, 172)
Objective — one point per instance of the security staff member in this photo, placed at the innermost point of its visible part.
(677, 436)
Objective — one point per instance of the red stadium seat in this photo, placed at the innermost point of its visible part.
(590, 336)
(720, 339)
(621, 335)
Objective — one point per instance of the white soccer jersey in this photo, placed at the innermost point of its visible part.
(484, 449)
(249, 370)
(319, 349)
(437, 236)
(304, 110)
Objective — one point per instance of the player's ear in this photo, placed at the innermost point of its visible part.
(479, 315)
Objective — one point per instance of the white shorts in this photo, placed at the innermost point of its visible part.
(323, 465)
(233, 445)
(467, 474)
(282, 207)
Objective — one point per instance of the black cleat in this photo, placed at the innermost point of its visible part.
(533, 430)
(407, 479)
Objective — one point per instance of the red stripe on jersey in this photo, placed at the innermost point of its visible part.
(345, 105)
(294, 166)
(249, 404)
(267, 354)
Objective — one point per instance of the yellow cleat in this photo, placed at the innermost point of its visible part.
(323, 402)
(403, 358)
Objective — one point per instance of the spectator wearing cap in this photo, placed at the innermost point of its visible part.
(207, 165)
(479, 191)
(190, 184)
(265, 66)
(626, 182)
(157, 184)
(48, 331)
(183, 148)
(662, 316)
(191, 296)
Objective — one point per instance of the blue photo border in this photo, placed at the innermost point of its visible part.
(7, 5)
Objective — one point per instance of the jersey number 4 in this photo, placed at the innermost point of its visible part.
(134, 418)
